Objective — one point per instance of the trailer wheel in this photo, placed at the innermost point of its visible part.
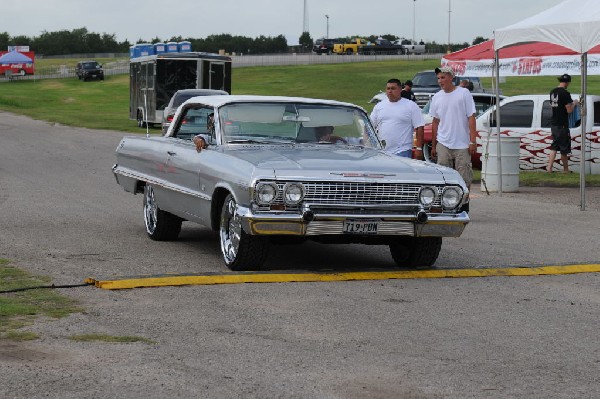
(140, 119)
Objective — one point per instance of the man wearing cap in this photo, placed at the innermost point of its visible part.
(395, 119)
(453, 127)
(562, 105)
(407, 91)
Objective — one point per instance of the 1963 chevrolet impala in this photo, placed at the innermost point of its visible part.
(284, 169)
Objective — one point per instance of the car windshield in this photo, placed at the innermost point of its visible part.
(295, 123)
(90, 65)
(181, 98)
(425, 79)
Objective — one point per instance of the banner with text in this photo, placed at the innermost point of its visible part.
(527, 66)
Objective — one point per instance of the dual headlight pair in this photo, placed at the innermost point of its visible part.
(451, 196)
(267, 193)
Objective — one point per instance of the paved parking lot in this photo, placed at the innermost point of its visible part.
(64, 216)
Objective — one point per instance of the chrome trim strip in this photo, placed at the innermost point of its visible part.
(159, 183)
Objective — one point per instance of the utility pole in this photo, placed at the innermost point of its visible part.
(327, 36)
(414, 20)
(305, 18)
(449, 13)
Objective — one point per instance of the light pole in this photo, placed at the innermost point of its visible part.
(449, 13)
(414, 19)
(327, 36)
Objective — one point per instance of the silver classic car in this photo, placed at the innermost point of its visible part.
(283, 169)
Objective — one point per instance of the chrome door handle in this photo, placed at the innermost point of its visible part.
(171, 153)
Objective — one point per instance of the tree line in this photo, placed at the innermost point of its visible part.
(80, 41)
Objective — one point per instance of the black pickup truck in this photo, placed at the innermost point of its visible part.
(381, 46)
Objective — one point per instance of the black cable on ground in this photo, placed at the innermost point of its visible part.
(37, 287)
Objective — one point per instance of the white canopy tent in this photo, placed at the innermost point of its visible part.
(574, 24)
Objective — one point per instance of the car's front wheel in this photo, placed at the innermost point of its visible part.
(160, 225)
(240, 251)
(416, 252)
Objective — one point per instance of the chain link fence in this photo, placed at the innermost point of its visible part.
(121, 65)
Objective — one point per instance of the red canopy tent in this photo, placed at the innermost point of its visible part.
(529, 59)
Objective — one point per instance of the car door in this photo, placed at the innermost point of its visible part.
(185, 164)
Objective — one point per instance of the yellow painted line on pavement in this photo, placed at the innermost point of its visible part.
(262, 277)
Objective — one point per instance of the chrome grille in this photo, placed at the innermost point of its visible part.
(359, 194)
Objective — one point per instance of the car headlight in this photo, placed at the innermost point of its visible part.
(427, 196)
(293, 193)
(451, 197)
(266, 193)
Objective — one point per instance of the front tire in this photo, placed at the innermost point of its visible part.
(416, 252)
(160, 225)
(240, 251)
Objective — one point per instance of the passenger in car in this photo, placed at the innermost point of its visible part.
(198, 140)
(325, 133)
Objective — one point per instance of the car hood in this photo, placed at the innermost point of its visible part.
(339, 163)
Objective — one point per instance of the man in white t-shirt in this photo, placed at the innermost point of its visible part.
(453, 128)
(395, 120)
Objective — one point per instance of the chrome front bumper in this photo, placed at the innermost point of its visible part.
(436, 225)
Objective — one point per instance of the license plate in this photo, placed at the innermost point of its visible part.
(360, 226)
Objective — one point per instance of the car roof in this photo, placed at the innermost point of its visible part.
(200, 92)
(217, 101)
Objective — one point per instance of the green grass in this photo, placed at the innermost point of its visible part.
(20, 309)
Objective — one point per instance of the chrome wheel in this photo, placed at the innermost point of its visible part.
(241, 251)
(160, 225)
(150, 210)
(230, 231)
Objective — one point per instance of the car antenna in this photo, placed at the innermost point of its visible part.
(144, 116)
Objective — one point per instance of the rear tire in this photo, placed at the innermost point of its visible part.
(160, 225)
(240, 251)
(416, 252)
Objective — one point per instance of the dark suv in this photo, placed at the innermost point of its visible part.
(425, 84)
(325, 45)
(86, 70)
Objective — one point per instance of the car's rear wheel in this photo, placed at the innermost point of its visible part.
(416, 252)
(240, 251)
(160, 225)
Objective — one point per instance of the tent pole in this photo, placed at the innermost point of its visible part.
(582, 158)
(498, 146)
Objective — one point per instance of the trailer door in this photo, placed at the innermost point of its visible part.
(215, 76)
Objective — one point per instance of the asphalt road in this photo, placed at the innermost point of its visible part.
(63, 215)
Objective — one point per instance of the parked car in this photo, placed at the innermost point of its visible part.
(86, 70)
(426, 84)
(268, 177)
(325, 46)
(179, 98)
(528, 117)
(483, 102)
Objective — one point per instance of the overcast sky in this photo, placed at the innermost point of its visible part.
(147, 19)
